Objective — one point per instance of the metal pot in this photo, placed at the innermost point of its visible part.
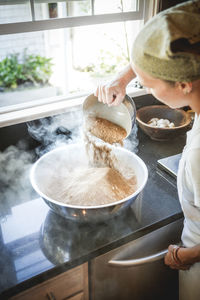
(51, 167)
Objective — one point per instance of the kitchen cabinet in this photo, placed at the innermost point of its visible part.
(72, 285)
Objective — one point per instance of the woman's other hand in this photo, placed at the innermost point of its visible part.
(182, 258)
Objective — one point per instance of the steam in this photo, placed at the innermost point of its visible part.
(56, 131)
(15, 163)
(131, 143)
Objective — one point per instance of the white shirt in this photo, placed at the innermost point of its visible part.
(188, 182)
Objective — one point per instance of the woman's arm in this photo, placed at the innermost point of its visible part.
(114, 92)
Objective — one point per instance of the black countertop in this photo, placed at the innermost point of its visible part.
(37, 244)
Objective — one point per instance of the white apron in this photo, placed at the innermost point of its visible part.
(188, 183)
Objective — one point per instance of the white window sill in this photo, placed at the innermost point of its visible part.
(16, 116)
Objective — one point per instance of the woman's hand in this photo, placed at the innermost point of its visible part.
(181, 258)
(114, 92)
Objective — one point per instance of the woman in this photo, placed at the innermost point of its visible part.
(166, 60)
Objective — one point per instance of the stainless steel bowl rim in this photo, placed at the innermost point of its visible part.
(128, 99)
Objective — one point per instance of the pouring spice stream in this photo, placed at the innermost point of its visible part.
(99, 183)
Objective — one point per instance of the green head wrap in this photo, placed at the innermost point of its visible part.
(168, 46)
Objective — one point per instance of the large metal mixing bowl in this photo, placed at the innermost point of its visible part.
(51, 167)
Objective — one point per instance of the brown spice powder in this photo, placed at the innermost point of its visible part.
(105, 130)
(96, 186)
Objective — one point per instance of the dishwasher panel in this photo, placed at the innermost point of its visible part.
(113, 277)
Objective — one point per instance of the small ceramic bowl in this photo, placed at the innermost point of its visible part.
(179, 117)
(123, 115)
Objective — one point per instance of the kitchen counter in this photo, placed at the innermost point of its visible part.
(36, 244)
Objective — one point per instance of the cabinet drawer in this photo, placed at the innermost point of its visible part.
(60, 287)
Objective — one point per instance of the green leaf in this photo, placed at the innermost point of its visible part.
(34, 69)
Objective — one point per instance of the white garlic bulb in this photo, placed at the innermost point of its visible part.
(161, 123)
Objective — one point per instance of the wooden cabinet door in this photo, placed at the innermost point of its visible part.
(72, 283)
(79, 296)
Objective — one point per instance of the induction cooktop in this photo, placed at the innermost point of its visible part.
(170, 164)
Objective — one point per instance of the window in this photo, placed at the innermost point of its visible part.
(51, 51)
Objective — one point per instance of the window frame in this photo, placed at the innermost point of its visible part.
(19, 113)
(69, 22)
